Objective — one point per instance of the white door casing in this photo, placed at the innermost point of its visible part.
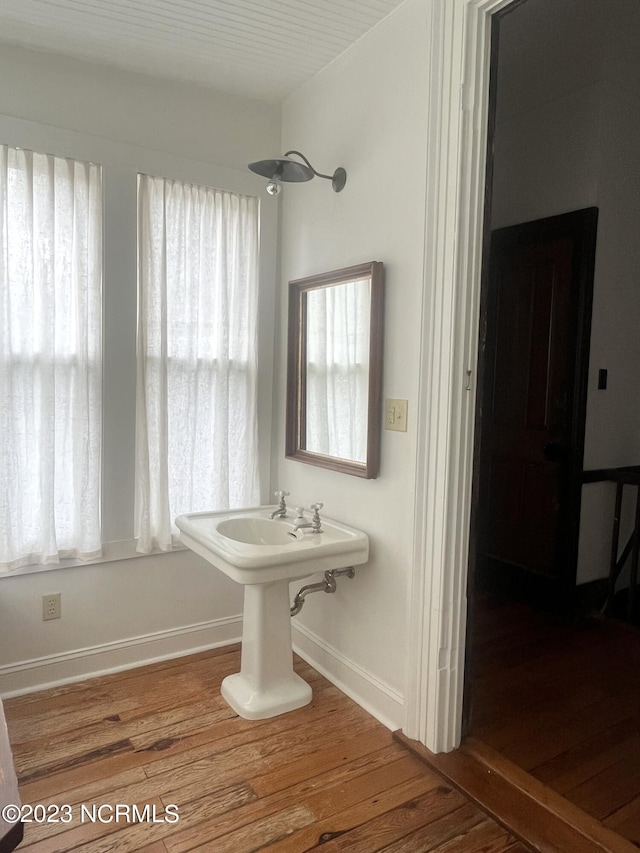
(456, 164)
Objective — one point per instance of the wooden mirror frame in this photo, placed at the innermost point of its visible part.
(295, 444)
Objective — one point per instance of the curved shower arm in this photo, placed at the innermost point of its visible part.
(317, 174)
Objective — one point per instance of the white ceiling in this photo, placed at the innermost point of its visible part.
(260, 48)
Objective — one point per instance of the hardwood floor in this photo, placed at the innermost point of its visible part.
(563, 703)
(327, 777)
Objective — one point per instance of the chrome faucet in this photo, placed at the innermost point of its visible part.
(315, 524)
(281, 511)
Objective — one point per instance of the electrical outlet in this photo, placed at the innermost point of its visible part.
(51, 606)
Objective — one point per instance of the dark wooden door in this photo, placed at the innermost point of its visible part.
(533, 418)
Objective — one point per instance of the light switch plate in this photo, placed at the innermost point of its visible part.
(395, 415)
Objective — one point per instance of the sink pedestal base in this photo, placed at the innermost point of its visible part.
(266, 684)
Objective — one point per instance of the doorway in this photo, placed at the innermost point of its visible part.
(558, 696)
(456, 145)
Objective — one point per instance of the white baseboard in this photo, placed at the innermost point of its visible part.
(27, 676)
(65, 667)
(377, 698)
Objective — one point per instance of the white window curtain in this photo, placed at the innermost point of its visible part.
(338, 323)
(50, 358)
(196, 413)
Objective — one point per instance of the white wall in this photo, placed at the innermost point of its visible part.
(546, 159)
(176, 118)
(126, 611)
(613, 416)
(367, 112)
(567, 127)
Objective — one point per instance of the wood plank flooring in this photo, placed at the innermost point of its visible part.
(562, 701)
(326, 777)
(530, 809)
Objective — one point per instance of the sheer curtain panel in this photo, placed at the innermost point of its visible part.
(50, 358)
(196, 414)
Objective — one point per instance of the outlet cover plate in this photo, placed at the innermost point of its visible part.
(51, 606)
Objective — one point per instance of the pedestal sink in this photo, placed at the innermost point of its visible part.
(264, 555)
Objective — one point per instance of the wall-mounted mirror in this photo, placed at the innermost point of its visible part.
(334, 378)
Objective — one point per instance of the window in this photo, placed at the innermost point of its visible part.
(196, 408)
(50, 358)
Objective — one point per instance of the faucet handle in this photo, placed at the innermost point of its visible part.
(282, 504)
(316, 521)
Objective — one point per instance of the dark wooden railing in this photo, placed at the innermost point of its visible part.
(626, 476)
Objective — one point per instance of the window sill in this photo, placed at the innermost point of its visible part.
(111, 552)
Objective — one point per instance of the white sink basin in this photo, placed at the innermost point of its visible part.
(264, 554)
(251, 548)
(258, 531)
